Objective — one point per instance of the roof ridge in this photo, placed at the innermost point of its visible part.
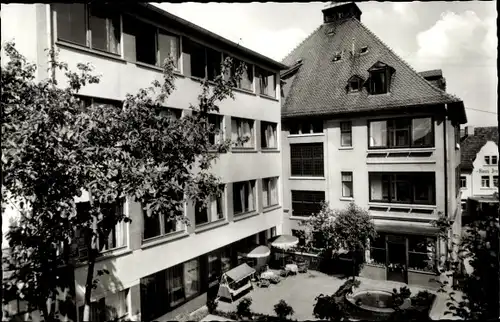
(438, 90)
(300, 43)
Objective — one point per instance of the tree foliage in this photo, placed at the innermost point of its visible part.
(55, 146)
(283, 310)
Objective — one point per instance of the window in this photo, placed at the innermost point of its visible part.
(463, 182)
(363, 50)
(307, 159)
(487, 159)
(116, 305)
(495, 181)
(421, 253)
(267, 81)
(337, 56)
(212, 212)
(161, 223)
(191, 278)
(306, 203)
(485, 181)
(268, 135)
(168, 45)
(95, 26)
(226, 259)
(494, 159)
(71, 22)
(347, 185)
(147, 44)
(116, 237)
(171, 114)
(306, 127)
(246, 81)
(214, 268)
(354, 84)
(242, 133)
(270, 192)
(244, 197)
(97, 310)
(380, 78)
(346, 133)
(410, 188)
(216, 122)
(401, 133)
(378, 250)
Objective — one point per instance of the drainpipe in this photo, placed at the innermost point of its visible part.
(445, 172)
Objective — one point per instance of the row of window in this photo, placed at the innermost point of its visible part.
(244, 201)
(243, 134)
(486, 182)
(99, 27)
(398, 188)
(393, 133)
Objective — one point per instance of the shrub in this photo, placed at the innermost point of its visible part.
(212, 305)
(283, 310)
(243, 308)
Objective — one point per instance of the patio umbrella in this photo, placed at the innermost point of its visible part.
(285, 242)
(259, 252)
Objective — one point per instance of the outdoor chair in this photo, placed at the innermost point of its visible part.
(284, 272)
(303, 266)
(275, 279)
(263, 283)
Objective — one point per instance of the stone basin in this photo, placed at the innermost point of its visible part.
(373, 304)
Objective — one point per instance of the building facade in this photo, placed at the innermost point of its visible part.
(360, 125)
(160, 269)
(479, 165)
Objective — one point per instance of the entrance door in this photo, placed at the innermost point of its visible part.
(396, 259)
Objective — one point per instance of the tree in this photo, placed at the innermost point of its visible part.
(334, 307)
(319, 230)
(353, 229)
(54, 147)
(479, 247)
(283, 310)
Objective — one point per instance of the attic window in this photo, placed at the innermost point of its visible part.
(354, 85)
(380, 78)
(337, 56)
(363, 50)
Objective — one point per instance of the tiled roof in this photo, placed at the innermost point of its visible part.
(470, 145)
(319, 85)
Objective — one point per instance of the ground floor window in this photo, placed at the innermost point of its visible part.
(413, 251)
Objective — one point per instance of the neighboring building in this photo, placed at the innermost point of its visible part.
(360, 125)
(160, 269)
(479, 165)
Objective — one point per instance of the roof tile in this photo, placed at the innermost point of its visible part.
(470, 145)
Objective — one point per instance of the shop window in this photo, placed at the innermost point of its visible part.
(421, 253)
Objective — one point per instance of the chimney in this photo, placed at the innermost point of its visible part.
(338, 11)
(469, 130)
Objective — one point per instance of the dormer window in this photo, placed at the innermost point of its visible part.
(363, 50)
(337, 56)
(380, 78)
(354, 84)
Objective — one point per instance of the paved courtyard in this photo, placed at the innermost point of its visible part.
(300, 291)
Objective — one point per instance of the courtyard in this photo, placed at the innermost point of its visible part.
(300, 291)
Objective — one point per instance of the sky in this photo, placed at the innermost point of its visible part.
(457, 37)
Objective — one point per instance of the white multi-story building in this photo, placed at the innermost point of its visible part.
(360, 125)
(157, 268)
(479, 165)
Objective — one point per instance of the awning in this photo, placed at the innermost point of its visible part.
(240, 272)
(259, 252)
(395, 226)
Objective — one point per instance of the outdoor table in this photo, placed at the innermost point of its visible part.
(267, 275)
(292, 268)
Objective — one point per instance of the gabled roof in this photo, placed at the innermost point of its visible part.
(470, 145)
(318, 86)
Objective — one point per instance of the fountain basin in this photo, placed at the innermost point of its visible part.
(373, 304)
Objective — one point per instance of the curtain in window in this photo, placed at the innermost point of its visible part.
(251, 198)
(113, 31)
(378, 134)
(247, 133)
(265, 192)
(274, 191)
(191, 278)
(242, 198)
(168, 45)
(376, 187)
(234, 132)
(270, 136)
(422, 132)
